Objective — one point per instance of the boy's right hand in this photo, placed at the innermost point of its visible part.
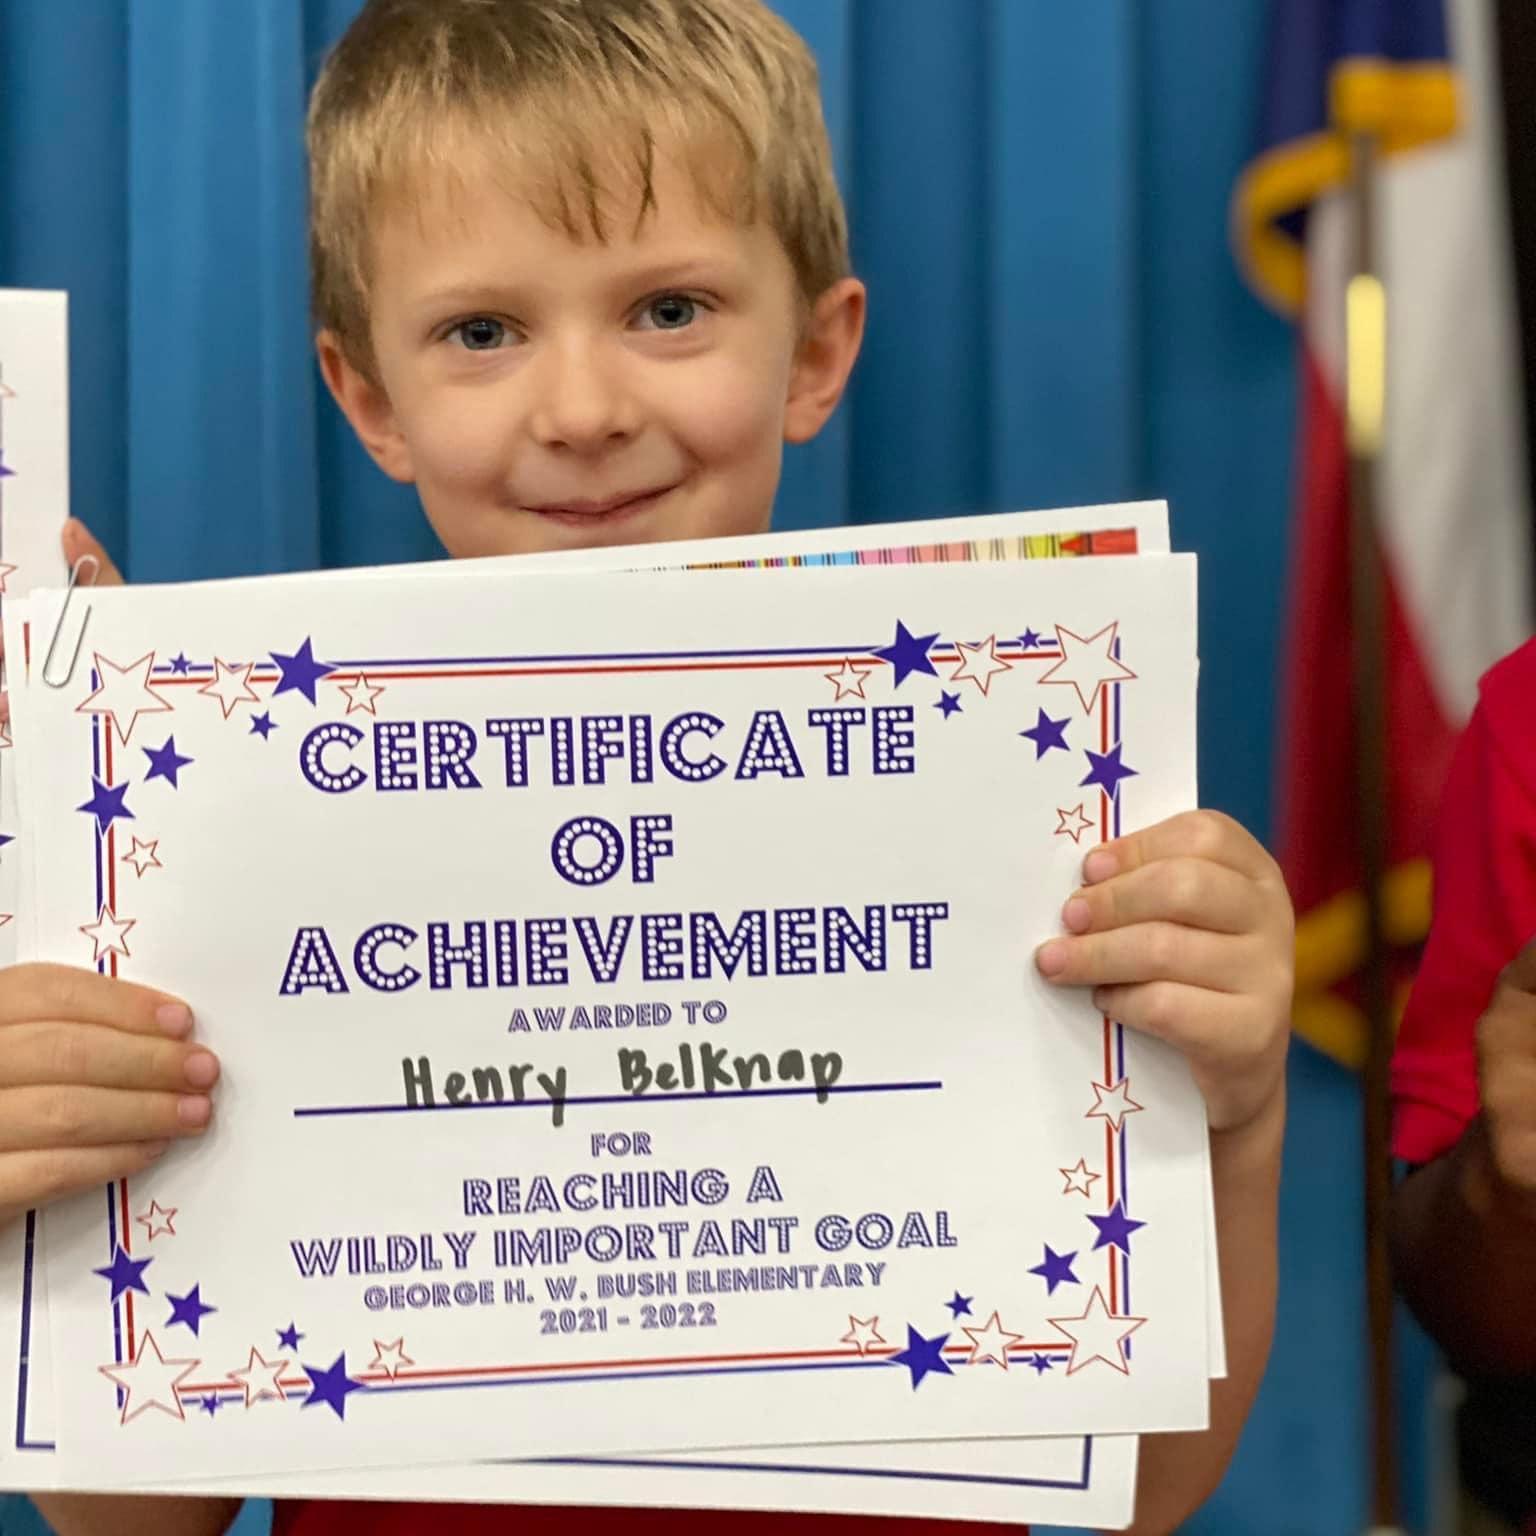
(97, 1078)
(1506, 1063)
(97, 1075)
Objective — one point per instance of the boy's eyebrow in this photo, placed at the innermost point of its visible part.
(681, 272)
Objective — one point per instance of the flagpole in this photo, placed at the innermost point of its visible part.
(1365, 355)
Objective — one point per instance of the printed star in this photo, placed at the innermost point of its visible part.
(158, 1220)
(5, 917)
(1047, 733)
(262, 725)
(1112, 1103)
(5, 470)
(150, 1382)
(1087, 665)
(5, 570)
(143, 856)
(1029, 639)
(1041, 1363)
(1115, 1228)
(979, 664)
(390, 1358)
(260, 1379)
(1072, 823)
(949, 703)
(106, 805)
(908, 653)
(231, 686)
(107, 934)
(959, 1306)
(6, 837)
(1079, 1180)
(6, 392)
(362, 693)
(849, 681)
(288, 1338)
(126, 1274)
(165, 762)
(300, 671)
(1055, 1269)
(190, 1309)
(211, 1404)
(1106, 770)
(124, 694)
(5, 733)
(923, 1357)
(180, 666)
(989, 1345)
(1097, 1335)
(332, 1385)
(862, 1333)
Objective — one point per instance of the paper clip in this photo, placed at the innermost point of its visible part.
(58, 629)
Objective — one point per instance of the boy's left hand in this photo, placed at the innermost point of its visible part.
(1185, 931)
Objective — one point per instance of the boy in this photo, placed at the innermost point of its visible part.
(581, 270)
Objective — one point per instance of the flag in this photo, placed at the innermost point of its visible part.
(1453, 500)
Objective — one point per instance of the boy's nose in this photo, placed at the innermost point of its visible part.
(580, 400)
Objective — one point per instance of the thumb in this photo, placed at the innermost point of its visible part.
(78, 543)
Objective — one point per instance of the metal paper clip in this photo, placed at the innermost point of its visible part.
(58, 629)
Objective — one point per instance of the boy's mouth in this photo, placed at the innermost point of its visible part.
(611, 509)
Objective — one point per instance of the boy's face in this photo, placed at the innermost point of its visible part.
(544, 393)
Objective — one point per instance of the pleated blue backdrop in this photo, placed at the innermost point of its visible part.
(1038, 195)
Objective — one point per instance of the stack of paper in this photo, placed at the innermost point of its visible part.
(632, 1053)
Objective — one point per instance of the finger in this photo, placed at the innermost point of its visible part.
(36, 1178)
(1180, 890)
(32, 1119)
(34, 992)
(1190, 1017)
(42, 1053)
(79, 543)
(1192, 835)
(1147, 952)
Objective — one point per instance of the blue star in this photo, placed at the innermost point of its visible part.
(288, 1338)
(923, 1357)
(211, 1404)
(1108, 770)
(106, 805)
(125, 1274)
(1041, 1363)
(1047, 733)
(1115, 1228)
(960, 1306)
(6, 837)
(1055, 1269)
(331, 1386)
(4, 470)
(262, 725)
(189, 1309)
(908, 653)
(300, 671)
(165, 762)
(1029, 639)
(180, 665)
(949, 703)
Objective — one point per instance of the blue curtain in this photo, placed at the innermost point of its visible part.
(1038, 195)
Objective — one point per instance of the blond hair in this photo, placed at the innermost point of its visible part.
(574, 97)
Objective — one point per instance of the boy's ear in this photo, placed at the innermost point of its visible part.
(825, 359)
(367, 407)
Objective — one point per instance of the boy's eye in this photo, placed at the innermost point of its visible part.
(482, 334)
(671, 312)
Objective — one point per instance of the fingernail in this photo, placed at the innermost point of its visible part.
(1051, 958)
(174, 1019)
(201, 1069)
(1099, 865)
(1077, 914)
(194, 1110)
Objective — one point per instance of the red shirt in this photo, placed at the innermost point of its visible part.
(316, 1519)
(1485, 912)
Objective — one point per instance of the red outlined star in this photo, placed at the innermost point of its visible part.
(990, 1344)
(1097, 1335)
(1086, 664)
(849, 680)
(107, 933)
(259, 1378)
(143, 856)
(979, 664)
(158, 1220)
(1072, 823)
(150, 1382)
(124, 693)
(361, 695)
(5, 570)
(390, 1358)
(1113, 1103)
(863, 1333)
(1081, 1179)
(231, 686)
